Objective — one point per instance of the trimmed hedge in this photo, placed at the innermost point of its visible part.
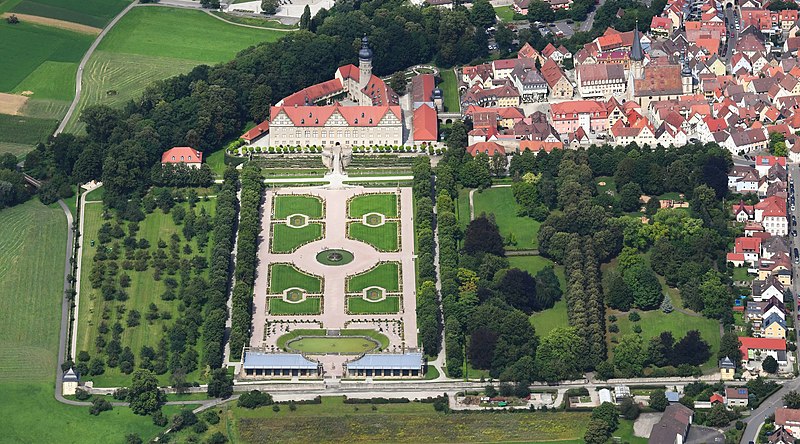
(429, 317)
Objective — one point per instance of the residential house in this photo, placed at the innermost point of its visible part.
(767, 288)
(771, 213)
(567, 117)
(736, 397)
(773, 326)
(781, 436)
(756, 349)
(560, 87)
(182, 154)
(673, 426)
(788, 419)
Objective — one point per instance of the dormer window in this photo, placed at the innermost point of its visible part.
(302, 121)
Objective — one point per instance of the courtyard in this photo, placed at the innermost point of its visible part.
(337, 275)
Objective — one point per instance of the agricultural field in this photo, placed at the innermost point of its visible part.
(154, 43)
(285, 206)
(96, 13)
(33, 242)
(383, 237)
(410, 422)
(385, 275)
(383, 203)
(359, 305)
(96, 313)
(285, 276)
(287, 239)
(501, 202)
(279, 307)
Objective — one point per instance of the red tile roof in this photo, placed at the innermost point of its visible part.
(747, 244)
(182, 154)
(760, 344)
(256, 131)
(790, 417)
(311, 116)
(425, 124)
(489, 148)
(539, 145)
(308, 96)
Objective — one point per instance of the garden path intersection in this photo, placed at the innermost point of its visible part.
(334, 313)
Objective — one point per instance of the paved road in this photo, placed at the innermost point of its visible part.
(731, 42)
(79, 75)
(587, 24)
(65, 305)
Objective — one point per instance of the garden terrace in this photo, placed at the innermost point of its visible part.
(280, 165)
(385, 275)
(384, 237)
(382, 203)
(288, 205)
(285, 276)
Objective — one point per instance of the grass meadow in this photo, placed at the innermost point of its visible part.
(555, 317)
(142, 291)
(95, 13)
(32, 241)
(283, 276)
(383, 203)
(284, 206)
(311, 306)
(155, 43)
(383, 238)
(286, 239)
(501, 202)
(385, 275)
(358, 305)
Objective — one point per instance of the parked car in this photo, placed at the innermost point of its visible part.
(794, 233)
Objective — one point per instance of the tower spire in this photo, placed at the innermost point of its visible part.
(637, 53)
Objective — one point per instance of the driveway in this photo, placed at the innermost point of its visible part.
(701, 435)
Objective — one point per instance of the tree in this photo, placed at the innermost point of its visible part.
(12, 19)
(629, 409)
(144, 396)
(691, 349)
(644, 285)
(518, 288)
(99, 404)
(618, 295)
(481, 347)
(483, 236)
(475, 172)
(730, 347)
(770, 365)
(658, 400)
(629, 357)
(269, 7)
(482, 14)
(629, 196)
(597, 432)
(398, 82)
(559, 355)
(792, 399)
(221, 385)
(540, 11)
(253, 399)
(716, 299)
(718, 416)
(666, 304)
(132, 438)
(305, 19)
(504, 38)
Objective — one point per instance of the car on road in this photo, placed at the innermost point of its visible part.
(569, 21)
(796, 254)
(794, 233)
(794, 220)
(792, 206)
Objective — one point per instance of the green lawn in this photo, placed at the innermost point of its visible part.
(609, 185)
(555, 317)
(311, 306)
(741, 274)
(32, 241)
(383, 238)
(506, 13)
(286, 239)
(383, 203)
(95, 13)
(51, 80)
(357, 305)
(155, 43)
(462, 207)
(345, 345)
(500, 202)
(284, 206)
(379, 337)
(449, 87)
(216, 161)
(254, 21)
(143, 289)
(386, 275)
(283, 276)
(625, 433)
(95, 195)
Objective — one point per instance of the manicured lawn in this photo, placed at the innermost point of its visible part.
(284, 206)
(216, 161)
(253, 21)
(555, 317)
(506, 13)
(625, 433)
(383, 203)
(143, 290)
(357, 305)
(608, 185)
(280, 307)
(449, 87)
(412, 422)
(286, 239)
(741, 274)
(87, 12)
(33, 244)
(386, 275)
(346, 345)
(500, 202)
(156, 43)
(462, 207)
(379, 337)
(283, 276)
(383, 238)
(95, 195)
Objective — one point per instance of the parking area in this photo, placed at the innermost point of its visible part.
(561, 29)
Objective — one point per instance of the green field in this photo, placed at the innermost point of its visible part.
(32, 241)
(283, 276)
(155, 43)
(25, 130)
(385, 275)
(284, 206)
(286, 239)
(449, 87)
(358, 305)
(311, 306)
(143, 289)
(500, 202)
(506, 13)
(380, 338)
(95, 13)
(345, 345)
(383, 238)
(383, 203)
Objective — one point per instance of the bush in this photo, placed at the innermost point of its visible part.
(82, 395)
(211, 417)
(99, 405)
(254, 399)
(634, 316)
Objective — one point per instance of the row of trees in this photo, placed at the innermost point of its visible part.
(247, 246)
(216, 310)
(181, 175)
(428, 310)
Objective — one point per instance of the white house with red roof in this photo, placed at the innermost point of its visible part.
(182, 154)
(771, 213)
(749, 247)
(764, 163)
(756, 349)
(489, 148)
(426, 125)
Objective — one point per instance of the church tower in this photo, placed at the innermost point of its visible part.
(364, 63)
(686, 75)
(636, 71)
